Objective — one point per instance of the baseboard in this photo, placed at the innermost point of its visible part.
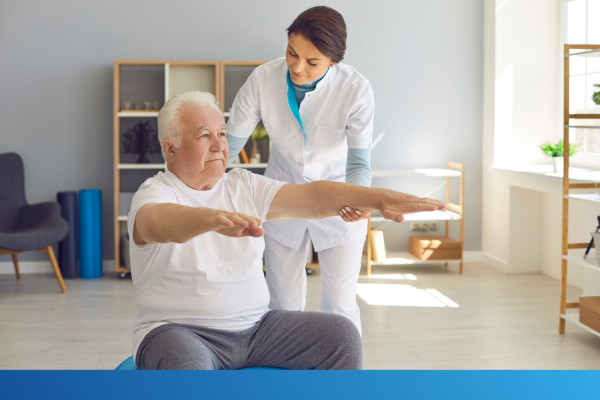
(43, 267)
(472, 256)
(495, 262)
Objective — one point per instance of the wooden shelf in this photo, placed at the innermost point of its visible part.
(590, 262)
(444, 215)
(584, 197)
(404, 258)
(584, 116)
(582, 126)
(574, 319)
(142, 166)
(589, 53)
(137, 114)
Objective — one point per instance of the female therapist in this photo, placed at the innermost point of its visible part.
(319, 116)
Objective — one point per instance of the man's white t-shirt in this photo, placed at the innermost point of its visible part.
(212, 281)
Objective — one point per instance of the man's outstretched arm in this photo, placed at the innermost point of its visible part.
(323, 199)
(173, 223)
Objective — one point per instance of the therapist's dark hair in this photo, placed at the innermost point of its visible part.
(325, 28)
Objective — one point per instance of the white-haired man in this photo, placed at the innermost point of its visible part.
(197, 249)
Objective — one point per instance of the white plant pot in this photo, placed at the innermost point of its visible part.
(559, 163)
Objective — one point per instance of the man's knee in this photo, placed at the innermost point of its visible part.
(344, 336)
(177, 360)
(174, 348)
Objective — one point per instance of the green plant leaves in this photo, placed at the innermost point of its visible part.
(556, 149)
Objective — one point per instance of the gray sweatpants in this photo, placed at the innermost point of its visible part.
(284, 339)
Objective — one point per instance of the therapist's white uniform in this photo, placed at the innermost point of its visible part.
(336, 116)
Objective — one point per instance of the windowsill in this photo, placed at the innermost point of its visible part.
(546, 170)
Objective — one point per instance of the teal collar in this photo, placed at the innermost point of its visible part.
(291, 98)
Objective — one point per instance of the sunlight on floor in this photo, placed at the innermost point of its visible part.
(408, 277)
(402, 295)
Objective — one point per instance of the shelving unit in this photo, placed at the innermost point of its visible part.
(157, 81)
(453, 212)
(592, 51)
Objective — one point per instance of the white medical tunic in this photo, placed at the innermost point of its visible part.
(336, 116)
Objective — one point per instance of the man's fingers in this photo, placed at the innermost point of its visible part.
(229, 220)
(254, 232)
(438, 204)
(221, 221)
(238, 220)
(252, 221)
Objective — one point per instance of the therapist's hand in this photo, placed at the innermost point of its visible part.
(394, 205)
(348, 214)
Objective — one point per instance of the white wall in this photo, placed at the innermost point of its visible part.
(526, 86)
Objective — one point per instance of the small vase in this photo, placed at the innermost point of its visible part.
(559, 163)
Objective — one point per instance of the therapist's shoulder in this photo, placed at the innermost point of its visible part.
(351, 76)
(269, 69)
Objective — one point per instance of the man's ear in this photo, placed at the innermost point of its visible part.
(168, 148)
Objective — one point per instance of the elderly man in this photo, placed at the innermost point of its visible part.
(197, 249)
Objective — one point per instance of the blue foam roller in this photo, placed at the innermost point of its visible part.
(67, 248)
(90, 233)
(98, 233)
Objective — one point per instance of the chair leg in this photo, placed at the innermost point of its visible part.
(16, 263)
(56, 269)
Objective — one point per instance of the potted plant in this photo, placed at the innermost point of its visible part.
(556, 151)
(596, 95)
(258, 140)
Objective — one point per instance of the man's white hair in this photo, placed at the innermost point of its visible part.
(170, 126)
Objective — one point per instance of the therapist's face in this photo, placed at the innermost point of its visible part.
(201, 158)
(304, 61)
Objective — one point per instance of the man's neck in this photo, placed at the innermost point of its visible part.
(196, 183)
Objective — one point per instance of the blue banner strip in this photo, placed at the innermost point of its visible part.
(366, 385)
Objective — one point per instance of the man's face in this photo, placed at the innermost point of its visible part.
(204, 150)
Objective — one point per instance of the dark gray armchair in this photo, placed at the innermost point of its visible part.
(25, 227)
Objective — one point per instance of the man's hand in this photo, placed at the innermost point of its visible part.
(395, 204)
(235, 224)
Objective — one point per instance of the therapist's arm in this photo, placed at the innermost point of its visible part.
(244, 116)
(173, 223)
(321, 199)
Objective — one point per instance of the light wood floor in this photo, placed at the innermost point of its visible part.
(502, 322)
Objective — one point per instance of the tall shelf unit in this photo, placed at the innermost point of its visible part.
(155, 81)
(590, 262)
(453, 212)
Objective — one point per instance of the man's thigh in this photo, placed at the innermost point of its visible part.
(175, 347)
(305, 340)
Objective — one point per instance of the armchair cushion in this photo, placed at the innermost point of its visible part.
(38, 226)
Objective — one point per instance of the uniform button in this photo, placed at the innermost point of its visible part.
(299, 163)
(299, 130)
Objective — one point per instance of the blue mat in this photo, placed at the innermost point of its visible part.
(90, 233)
(129, 365)
(67, 248)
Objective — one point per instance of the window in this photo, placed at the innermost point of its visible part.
(582, 26)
